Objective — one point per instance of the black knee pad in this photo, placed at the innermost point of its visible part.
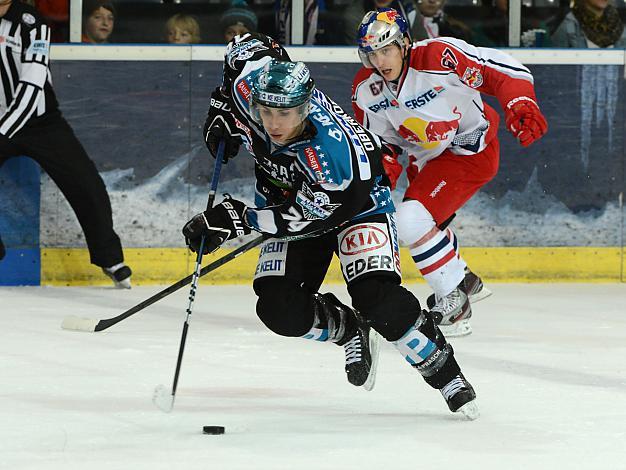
(284, 306)
(389, 308)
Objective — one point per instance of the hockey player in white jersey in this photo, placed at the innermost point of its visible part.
(320, 191)
(424, 99)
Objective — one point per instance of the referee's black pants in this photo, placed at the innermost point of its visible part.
(50, 141)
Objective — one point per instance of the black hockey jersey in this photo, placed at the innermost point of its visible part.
(330, 175)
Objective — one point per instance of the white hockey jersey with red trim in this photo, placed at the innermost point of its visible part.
(437, 104)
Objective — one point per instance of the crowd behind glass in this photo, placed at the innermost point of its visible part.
(544, 23)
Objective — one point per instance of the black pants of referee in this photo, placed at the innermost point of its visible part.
(50, 141)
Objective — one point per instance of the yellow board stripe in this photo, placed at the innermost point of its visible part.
(70, 266)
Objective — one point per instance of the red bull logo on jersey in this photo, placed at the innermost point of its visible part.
(423, 98)
(472, 77)
(425, 134)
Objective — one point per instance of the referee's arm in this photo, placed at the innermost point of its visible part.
(31, 76)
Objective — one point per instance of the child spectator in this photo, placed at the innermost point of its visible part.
(238, 19)
(99, 20)
(182, 29)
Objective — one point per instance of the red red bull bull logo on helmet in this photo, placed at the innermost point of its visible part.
(388, 17)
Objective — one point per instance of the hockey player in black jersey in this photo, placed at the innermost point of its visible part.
(320, 190)
(31, 124)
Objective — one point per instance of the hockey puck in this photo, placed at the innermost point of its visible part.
(213, 429)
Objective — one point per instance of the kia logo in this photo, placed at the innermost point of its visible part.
(361, 239)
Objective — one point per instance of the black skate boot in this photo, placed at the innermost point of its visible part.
(119, 274)
(2, 250)
(476, 291)
(360, 343)
(460, 397)
(452, 312)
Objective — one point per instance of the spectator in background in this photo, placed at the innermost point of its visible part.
(238, 19)
(99, 19)
(493, 28)
(56, 13)
(589, 24)
(182, 29)
(407, 8)
(437, 23)
(313, 28)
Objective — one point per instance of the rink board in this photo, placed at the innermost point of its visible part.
(143, 132)
(70, 267)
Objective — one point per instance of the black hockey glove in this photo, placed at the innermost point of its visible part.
(219, 125)
(223, 222)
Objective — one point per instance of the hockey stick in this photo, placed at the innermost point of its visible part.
(163, 398)
(75, 323)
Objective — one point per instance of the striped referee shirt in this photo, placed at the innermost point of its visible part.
(26, 92)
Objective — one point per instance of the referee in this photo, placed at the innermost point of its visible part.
(31, 124)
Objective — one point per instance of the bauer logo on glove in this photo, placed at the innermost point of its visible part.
(223, 222)
(220, 125)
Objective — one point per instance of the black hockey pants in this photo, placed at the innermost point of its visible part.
(289, 273)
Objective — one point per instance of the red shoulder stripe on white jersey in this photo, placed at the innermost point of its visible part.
(486, 70)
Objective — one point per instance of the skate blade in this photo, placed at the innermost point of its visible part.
(374, 352)
(454, 330)
(470, 410)
(482, 294)
(124, 284)
(163, 398)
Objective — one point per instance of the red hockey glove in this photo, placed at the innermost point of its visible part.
(392, 166)
(524, 120)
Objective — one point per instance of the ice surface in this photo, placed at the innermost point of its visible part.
(548, 363)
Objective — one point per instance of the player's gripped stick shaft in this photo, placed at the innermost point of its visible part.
(164, 398)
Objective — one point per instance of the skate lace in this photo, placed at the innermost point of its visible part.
(452, 387)
(353, 350)
(448, 303)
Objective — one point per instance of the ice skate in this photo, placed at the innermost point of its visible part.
(474, 287)
(2, 250)
(359, 341)
(452, 312)
(120, 275)
(362, 357)
(460, 397)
